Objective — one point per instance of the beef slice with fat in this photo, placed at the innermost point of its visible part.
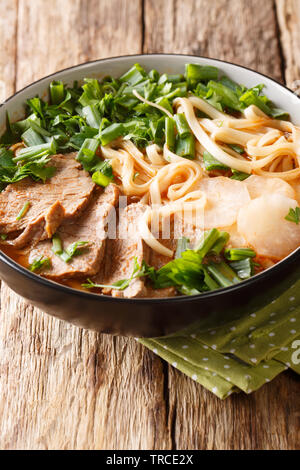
(121, 253)
(61, 197)
(91, 227)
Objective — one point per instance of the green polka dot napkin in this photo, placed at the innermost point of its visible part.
(242, 354)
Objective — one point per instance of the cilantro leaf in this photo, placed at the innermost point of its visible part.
(294, 215)
(39, 264)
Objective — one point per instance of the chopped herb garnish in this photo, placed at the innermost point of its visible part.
(212, 163)
(39, 264)
(193, 271)
(294, 215)
(111, 133)
(100, 111)
(183, 128)
(57, 91)
(207, 242)
(23, 211)
(138, 271)
(185, 146)
(244, 268)
(237, 254)
(74, 249)
(170, 133)
(100, 179)
(182, 245)
(237, 148)
(3, 236)
(198, 270)
(56, 244)
(10, 172)
(87, 154)
(239, 175)
(223, 274)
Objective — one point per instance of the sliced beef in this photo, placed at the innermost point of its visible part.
(120, 254)
(61, 197)
(91, 226)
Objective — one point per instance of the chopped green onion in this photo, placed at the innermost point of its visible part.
(170, 133)
(182, 126)
(23, 211)
(209, 281)
(111, 133)
(153, 75)
(101, 179)
(134, 76)
(35, 125)
(243, 268)
(36, 151)
(223, 274)
(56, 244)
(294, 215)
(3, 236)
(195, 72)
(185, 290)
(237, 148)
(31, 138)
(164, 103)
(239, 175)
(182, 245)
(176, 78)
(40, 263)
(138, 271)
(66, 255)
(73, 250)
(220, 243)
(228, 97)
(92, 116)
(57, 91)
(86, 154)
(237, 254)
(209, 238)
(212, 163)
(185, 147)
(250, 97)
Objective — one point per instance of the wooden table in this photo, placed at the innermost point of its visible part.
(67, 388)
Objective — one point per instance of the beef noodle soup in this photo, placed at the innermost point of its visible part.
(150, 185)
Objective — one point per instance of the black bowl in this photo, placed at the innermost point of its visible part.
(147, 317)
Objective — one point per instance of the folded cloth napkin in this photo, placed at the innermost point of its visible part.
(242, 354)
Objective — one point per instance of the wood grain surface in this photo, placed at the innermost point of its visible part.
(62, 387)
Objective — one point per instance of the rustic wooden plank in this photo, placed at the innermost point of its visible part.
(63, 387)
(240, 31)
(8, 34)
(288, 12)
(201, 421)
(72, 32)
(244, 32)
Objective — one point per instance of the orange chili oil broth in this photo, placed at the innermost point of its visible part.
(21, 257)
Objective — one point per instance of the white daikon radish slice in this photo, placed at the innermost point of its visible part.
(262, 222)
(260, 185)
(224, 199)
